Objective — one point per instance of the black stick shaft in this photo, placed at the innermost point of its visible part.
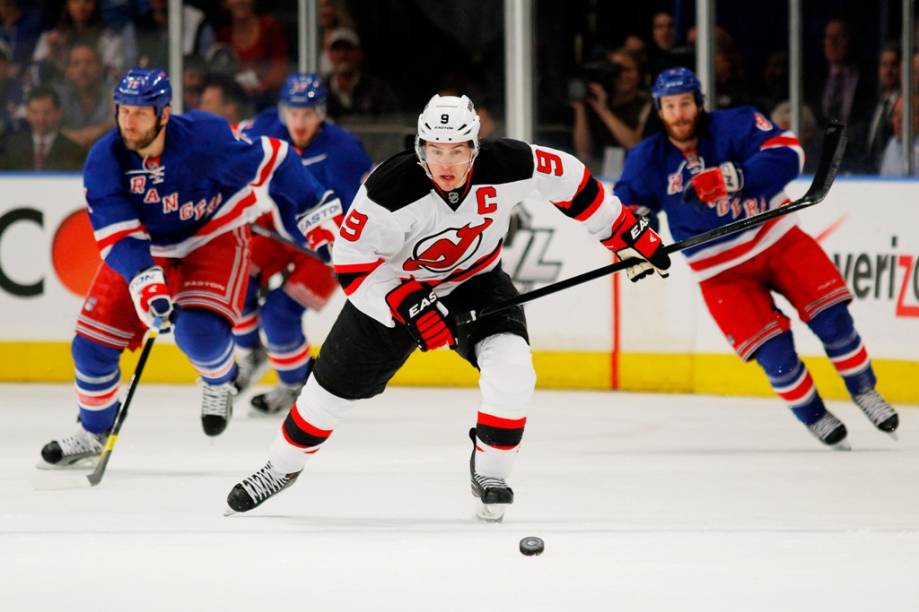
(267, 233)
(834, 141)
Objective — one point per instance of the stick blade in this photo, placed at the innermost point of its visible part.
(834, 147)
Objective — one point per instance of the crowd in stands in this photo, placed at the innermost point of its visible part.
(60, 58)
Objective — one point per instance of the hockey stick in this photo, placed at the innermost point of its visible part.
(834, 143)
(267, 233)
(97, 474)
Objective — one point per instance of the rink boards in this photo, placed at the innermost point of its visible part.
(608, 333)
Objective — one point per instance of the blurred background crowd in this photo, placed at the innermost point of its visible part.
(382, 59)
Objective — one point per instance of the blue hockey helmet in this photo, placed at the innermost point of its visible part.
(144, 87)
(303, 89)
(676, 81)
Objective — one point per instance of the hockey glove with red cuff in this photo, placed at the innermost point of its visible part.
(416, 306)
(714, 184)
(320, 225)
(633, 237)
(151, 297)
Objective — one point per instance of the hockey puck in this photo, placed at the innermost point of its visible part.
(532, 545)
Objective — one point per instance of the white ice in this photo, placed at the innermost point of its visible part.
(645, 502)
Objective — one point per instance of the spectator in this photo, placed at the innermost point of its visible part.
(332, 15)
(80, 20)
(153, 34)
(20, 30)
(637, 47)
(42, 146)
(663, 52)
(663, 32)
(612, 114)
(86, 96)
(844, 93)
(730, 77)
(260, 44)
(880, 125)
(892, 162)
(351, 91)
(225, 97)
(194, 77)
(773, 87)
(781, 116)
(11, 94)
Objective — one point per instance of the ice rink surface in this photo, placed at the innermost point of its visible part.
(645, 502)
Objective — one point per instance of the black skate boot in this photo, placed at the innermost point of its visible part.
(831, 431)
(251, 365)
(492, 493)
(216, 407)
(80, 449)
(878, 411)
(255, 489)
(277, 401)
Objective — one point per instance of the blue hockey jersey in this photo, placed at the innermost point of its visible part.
(335, 157)
(201, 187)
(656, 174)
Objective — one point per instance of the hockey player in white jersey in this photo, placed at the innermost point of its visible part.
(422, 240)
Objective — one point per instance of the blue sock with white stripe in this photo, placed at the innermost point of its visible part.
(789, 378)
(288, 349)
(836, 329)
(97, 381)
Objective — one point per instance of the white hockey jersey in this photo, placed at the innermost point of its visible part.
(401, 227)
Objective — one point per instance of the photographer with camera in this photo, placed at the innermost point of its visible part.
(610, 111)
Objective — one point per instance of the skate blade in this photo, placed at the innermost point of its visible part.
(228, 511)
(87, 464)
(842, 445)
(893, 434)
(489, 513)
(60, 479)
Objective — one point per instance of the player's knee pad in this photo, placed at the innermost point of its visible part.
(202, 334)
(281, 314)
(506, 375)
(91, 357)
(834, 326)
(778, 357)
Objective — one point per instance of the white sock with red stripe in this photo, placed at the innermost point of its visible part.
(310, 423)
(507, 380)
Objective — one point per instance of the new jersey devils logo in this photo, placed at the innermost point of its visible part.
(447, 249)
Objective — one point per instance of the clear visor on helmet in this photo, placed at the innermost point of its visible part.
(446, 153)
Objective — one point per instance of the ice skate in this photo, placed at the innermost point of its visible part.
(277, 401)
(492, 494)
(251, 365)
(255, 489)
(878, 411)
(79, 450)
(216, 407)
(831, 431)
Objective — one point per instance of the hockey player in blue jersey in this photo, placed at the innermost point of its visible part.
(170, 198)
(709, 168)
(338, 160)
